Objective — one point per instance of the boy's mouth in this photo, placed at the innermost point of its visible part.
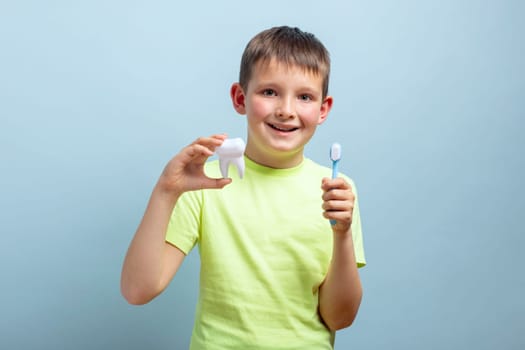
(283, 128)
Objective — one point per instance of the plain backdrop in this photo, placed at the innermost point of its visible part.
(97, 96)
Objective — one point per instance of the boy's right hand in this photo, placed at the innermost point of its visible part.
(185, 171)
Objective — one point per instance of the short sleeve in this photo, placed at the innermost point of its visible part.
(184, 225)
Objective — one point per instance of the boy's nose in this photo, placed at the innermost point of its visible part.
(285, 109)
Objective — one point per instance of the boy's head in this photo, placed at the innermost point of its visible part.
(287, 45)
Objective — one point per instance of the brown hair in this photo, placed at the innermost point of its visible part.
(287, 45)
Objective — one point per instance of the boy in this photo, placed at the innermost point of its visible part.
(274, 273)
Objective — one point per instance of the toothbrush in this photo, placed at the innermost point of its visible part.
(335, 157)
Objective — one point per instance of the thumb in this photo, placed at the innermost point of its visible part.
(216, 183)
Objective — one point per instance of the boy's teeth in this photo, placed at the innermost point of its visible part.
(281, 129)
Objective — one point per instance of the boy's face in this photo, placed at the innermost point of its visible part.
(284, 105)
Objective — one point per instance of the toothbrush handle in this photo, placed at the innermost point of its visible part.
(335, 170)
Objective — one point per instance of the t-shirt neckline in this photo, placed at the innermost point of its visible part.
(265, 170)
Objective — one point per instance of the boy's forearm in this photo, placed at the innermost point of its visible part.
(143, 265)
(341, 292)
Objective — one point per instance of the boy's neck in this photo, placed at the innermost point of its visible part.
(276, 160)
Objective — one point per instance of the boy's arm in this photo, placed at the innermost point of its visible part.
(150, 262)
(340, 293)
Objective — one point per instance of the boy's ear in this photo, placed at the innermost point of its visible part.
(326, 106)
(238, 97)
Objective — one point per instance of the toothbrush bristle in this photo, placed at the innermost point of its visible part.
(335, 152)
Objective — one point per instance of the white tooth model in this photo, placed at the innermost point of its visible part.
(231, 151)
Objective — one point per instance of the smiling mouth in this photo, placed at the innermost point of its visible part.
(275, 127)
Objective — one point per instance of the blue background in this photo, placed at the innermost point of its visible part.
(97, 96)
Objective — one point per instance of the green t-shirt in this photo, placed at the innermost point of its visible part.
(265, 248)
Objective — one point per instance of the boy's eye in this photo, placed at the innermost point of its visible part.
(305, 97)
(269, 92)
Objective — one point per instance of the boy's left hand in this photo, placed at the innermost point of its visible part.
(338, 203)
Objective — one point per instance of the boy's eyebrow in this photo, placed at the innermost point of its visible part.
(273, 84)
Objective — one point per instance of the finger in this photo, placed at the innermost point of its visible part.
(209, 183)
(330, 184)
(211, 142)
(204, 139)
(336, 194)
(343, 217)
(198, 150)
(338, 206)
